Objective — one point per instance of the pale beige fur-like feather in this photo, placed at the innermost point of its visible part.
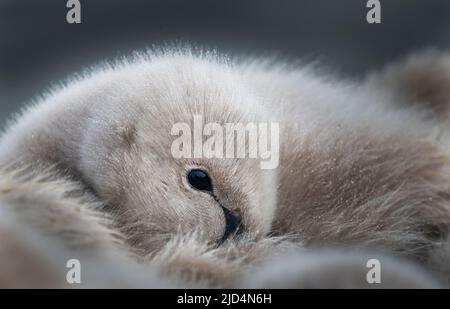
(359, 168)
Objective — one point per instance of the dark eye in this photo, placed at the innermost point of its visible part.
(200, 180)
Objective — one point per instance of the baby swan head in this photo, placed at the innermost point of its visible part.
(119, 140)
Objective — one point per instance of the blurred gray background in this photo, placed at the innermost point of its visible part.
(38, 48)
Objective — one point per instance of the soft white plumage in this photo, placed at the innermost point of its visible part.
(363, 165)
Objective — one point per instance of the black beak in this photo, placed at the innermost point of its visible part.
(232, 224)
